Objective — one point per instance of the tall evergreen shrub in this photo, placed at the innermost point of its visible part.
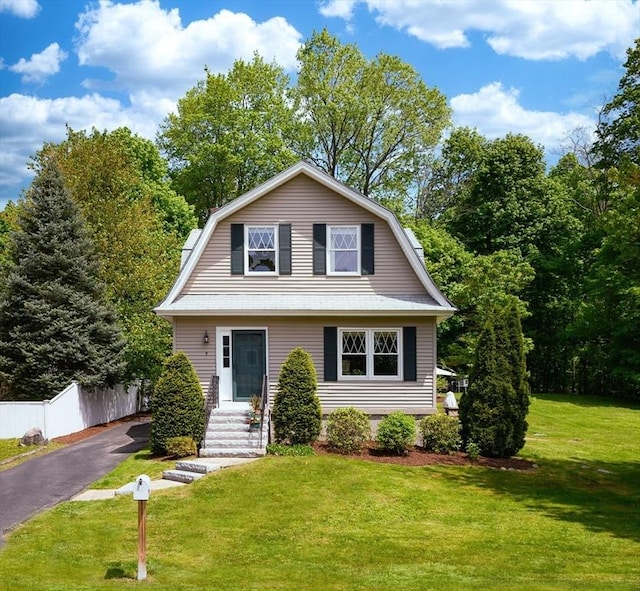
(493, 411)
(297, 417)
(55, 325)
(177, 404)
(516, 358)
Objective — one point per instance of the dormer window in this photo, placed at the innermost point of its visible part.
(343, 250)
(343, 253)
(261, 249)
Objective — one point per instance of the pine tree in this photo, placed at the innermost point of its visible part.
(493, 411)
(54, 325)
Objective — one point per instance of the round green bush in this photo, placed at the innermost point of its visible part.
(181, 447)
(177, 404)
(396, 432)
(296, 414)
(348, 429)
(440, 433)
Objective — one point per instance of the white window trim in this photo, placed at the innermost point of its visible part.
(276, 243)
(369, 344)
(358, 246)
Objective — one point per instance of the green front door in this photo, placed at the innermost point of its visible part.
(249, 362)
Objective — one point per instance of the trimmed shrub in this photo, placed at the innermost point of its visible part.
(396, 432)
(181, 447)
(473, 450)
(177, 404)
(296, 415)
(279, 449)
(348, 429)
(440, 433)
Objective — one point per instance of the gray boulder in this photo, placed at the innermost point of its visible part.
(33, 437)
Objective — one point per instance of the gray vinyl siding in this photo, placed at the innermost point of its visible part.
(376, 397)
(303, 202)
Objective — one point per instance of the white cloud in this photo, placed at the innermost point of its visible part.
(154, 60)
(495, 112)
(20, 8)
(337, 8)
(41, 65)
(27, 122)
(530, 29)
(146, 46)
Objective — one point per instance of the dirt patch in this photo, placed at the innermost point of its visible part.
(419, 457)
(86, 433)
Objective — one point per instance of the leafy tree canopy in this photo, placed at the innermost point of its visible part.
(619, 128)
(230, 133)
(371, 122)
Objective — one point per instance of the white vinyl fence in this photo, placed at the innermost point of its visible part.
(74, 409)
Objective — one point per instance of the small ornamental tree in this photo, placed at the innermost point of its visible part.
(177, 404)
(493, 410)
(55, 324)
(296, 415)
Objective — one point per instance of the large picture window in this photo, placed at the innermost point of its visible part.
(261, 249)
(343, 252)
(369, 353)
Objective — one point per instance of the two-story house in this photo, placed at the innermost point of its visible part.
(302, 260)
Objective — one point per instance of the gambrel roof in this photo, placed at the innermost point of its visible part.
(431, 303)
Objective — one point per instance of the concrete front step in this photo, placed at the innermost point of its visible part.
(228, 420)
(196, 466)
(232, 434)
(185, 476)
(231, 452)
(228, 435)
(245, 442)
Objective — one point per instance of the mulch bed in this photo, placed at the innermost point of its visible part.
(85, 433)
(413, 457)
(419, 457)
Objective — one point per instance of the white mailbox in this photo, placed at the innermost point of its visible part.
(142, 488)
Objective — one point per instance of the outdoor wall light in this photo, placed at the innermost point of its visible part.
(205, 338)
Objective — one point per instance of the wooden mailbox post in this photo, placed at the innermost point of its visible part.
(141, 492)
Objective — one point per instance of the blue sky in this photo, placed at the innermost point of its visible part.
(537, 67)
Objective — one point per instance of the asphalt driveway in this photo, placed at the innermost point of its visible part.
(43, 482)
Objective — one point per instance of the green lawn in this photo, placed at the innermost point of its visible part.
(316, 523)
(10, 449)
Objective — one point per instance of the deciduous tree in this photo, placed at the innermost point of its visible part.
(372, 122)
(231, 132)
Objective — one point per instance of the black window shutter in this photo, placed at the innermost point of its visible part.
(366, 236)
(330, 354)
(284, 239)
(319, 249)
(410, 366)
(237, 249)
